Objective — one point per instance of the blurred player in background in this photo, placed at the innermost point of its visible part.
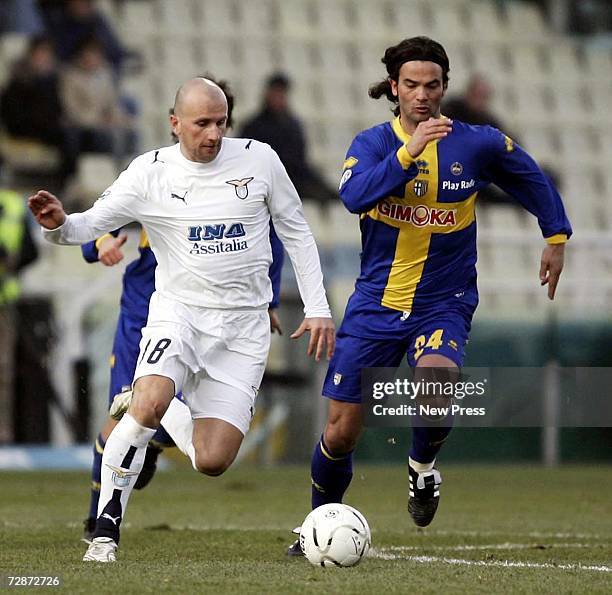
(138, 286)
(278, 125)
(414, 182)
(205, 204)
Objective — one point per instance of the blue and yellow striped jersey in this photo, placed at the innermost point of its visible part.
(418, 222)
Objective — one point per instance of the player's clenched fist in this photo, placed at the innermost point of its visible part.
(47, 209)
(427, 131)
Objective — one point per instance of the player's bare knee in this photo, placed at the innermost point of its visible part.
(211, 465)
(341, 435)
(152, 395)
(343, 428)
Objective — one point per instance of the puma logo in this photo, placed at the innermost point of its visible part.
(110, 518)
(179, 197)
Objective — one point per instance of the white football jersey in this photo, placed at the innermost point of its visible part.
(208, 224)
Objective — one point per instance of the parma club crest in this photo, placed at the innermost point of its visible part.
(420, 187)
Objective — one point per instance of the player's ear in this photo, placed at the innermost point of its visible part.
(176, 124)
(393, 84)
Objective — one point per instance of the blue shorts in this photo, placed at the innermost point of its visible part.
(442, 330)
(126, 348)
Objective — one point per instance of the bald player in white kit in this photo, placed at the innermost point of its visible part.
(205, 204)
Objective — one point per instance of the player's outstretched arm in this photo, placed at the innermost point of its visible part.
(551, 266)
(322, 336)
(47, 209)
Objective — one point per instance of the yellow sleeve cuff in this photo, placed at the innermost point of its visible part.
(405, 158)
(101, 239)
(559, 238)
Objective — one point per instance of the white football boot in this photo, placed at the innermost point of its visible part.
(121, 403)
(101, 549)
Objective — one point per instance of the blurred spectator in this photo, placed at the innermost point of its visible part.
(20, 16)
(71, 22)
(97, 122)
(17, 250)
(590, 17)
(30, 105)
(276, 125)
(474, 107)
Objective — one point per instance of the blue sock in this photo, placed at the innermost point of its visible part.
(427, 442)
(331, 475)
(96, 476)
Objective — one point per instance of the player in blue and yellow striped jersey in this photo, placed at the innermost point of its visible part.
(414, 182)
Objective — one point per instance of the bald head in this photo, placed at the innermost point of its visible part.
(199, 120)
(196, 91)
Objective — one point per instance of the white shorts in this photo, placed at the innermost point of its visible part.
(216, 358)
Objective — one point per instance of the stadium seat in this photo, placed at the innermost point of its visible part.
(178, 18)
(373, 20)
(183, 60)
(95, 173)
(28, 156)
(525, 21)
(335, 20)
(565, 66)
(492, 59)
(258, 19)
(298, 56)
(579, 144)
(597, 60)
(297, 19)
(447, 21)
(484, 24)
(368, 56)
(317, 223)
(529, 63)
(408, 19)
(600, 92)
(583, 189)
(138, 21)
(344, 225)
(336, 60)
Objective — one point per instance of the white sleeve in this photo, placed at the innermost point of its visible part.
(291, 226)
(116, 207)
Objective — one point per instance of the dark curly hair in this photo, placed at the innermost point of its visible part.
(408, 50)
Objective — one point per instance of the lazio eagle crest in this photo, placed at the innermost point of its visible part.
(241, 187)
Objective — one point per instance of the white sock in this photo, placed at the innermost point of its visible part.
(421, 467)
(122, 461)
(178, 423)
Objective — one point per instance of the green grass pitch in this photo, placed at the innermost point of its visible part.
(498, 529)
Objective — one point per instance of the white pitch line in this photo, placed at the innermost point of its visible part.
(536, 534)
(491, 546)
(382, 555)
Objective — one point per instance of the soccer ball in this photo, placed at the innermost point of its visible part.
(335, 535)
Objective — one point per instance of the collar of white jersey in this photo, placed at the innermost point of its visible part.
(196, 165)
